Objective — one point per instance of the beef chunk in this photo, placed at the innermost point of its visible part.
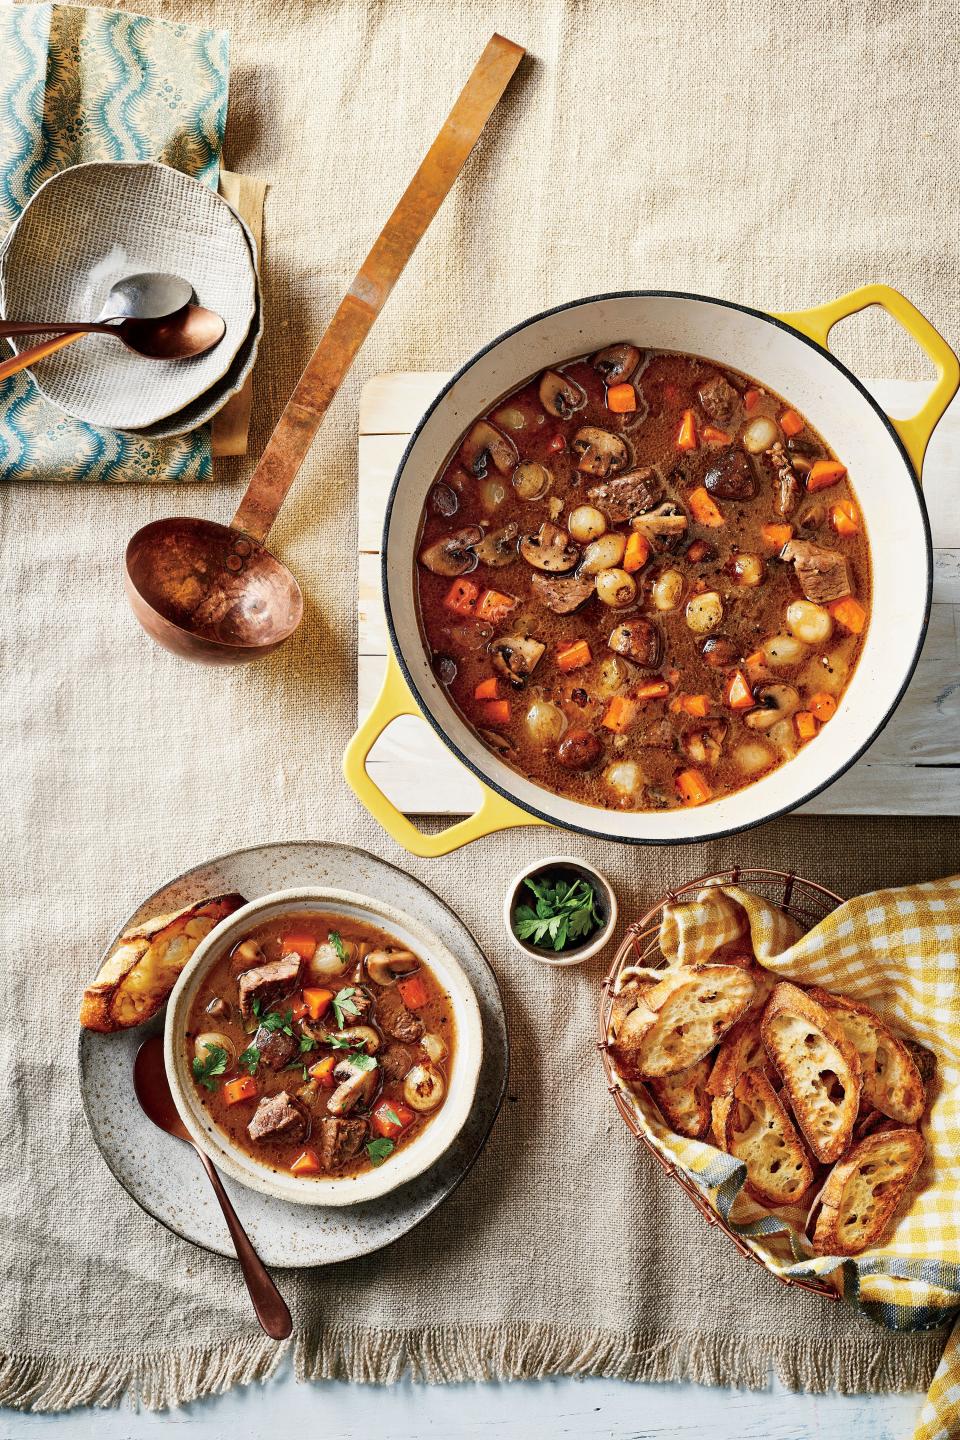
(733, 477)
(267, 983)
(628, 494)
(340, 1140)
(279, 1117)
(638, 640)
(395, 1061)
(822, 573)
(718, 398)
(394, 1017)
(656, 735)
(789, 489)
(218, 1008)
(559, 595)
(276, 1047)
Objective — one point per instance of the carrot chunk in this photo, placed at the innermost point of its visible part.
(751, 399)
(495, 712)
(693, 788)
(687, 434)
(823, 706)
(462, 597)
(698, 705)
(637, 552)
(791, 423)
(776, 536)
(845, 518)
(824, 474)
(704, 509)
(322, 1072)
(739, 696)
(303, 945)
(807, 724)
(621, 399)
(306, 1163)
(413, 992)
(698, 551)
(713, 436)
(652, 690)
(390, 1119)
(573, 656)
(849, 613)
(619, 714)
(488, 689)
(243, 1089)
(495, 606)
(317, 1002)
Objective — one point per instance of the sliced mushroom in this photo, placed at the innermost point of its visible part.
(385, 966)
(559, 395)
(640, 640)
(551, 549)
(444, 500)
(732, 477)
(250, 953)
(357, 1082)
(485, 443)
(663, 526)
(531, 480)
(424, 1087)
(502, 743)
(704, 745)
(499, 547)
(434, 1046)
(616, 363)
(516, 656)
(453, 554)
(601, 452)
(360, 1037)
(774, 703)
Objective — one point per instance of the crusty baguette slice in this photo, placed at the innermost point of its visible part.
(890, 1078)
(759, 1132)
(864, 1191)
(683, 1099)
(820, 1068)
(741, 1050)
(677, 1022)
(719, 1110)
(925, 1061)
(138, 975)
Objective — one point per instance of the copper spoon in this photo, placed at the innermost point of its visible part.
(190, 331)
(153, 1091)
(212, 592)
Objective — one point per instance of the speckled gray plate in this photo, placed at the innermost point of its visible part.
(164, 1176)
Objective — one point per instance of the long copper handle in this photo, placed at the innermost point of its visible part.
(69, 327)
(269, 1304)
(26, 358)
(288, 445)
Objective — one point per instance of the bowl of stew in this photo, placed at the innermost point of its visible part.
(656, 566)
(323, 1047)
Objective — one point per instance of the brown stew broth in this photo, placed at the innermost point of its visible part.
(726, 746)
(359, 940)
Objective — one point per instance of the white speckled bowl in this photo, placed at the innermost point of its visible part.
(412, 1159)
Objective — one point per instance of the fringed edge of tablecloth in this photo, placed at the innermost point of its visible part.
(444, 1355)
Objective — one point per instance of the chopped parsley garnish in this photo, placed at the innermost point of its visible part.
(276, 1021)
(335, 939)
(307, 1042)
(391, 1115)
(565, 913)
(344, 1004)
(250, 1060)
(380, 1150)
(257, 1007)
(359, 1060)
(213, 1063)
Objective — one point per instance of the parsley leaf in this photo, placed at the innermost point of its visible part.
(276, 1021)
(360, 1060)
(391, 1115)
(565, 912)
(344, 1004)
(307, 1043)
(250, 1059)
(213, 1063)
(379, 1150)
(257, 1007)
(335, 939)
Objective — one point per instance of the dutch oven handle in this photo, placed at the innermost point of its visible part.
(915, 432)
(495, 812)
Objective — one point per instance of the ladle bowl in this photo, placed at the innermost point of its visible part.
(213, 593)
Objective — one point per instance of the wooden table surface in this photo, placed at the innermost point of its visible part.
(914, 765)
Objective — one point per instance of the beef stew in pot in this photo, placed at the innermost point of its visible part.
(320, 1045)
(643, 579)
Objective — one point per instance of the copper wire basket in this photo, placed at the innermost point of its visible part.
(808, 903)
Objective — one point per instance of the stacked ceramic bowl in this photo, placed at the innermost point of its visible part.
(92, 225)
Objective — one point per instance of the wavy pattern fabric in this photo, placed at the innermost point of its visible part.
(81, 84)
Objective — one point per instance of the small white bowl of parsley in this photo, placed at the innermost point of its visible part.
(560, 910)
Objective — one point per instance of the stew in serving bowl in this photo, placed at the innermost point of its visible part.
(643, 579)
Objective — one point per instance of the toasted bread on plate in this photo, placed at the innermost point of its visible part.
(819, 1066)
(864, 1191)
(759, 1132)
(678, 1021)
(889, 1074)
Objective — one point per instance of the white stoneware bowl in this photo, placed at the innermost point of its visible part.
(411, 1159)
(788, 354)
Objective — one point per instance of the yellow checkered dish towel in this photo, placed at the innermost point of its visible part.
(899, 951)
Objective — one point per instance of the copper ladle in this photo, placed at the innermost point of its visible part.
(212, 592)
(153, 1092)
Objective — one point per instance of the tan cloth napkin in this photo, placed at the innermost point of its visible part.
(773, 153)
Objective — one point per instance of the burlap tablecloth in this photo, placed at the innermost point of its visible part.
(773, 153)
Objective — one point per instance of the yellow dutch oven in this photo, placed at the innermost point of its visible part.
(789, 354)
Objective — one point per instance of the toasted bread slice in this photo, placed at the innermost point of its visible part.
(865, 1190)
(890, 1078)
(759, 1132)
(925, 1061)
(742, 1049)
(819, 1066)
(139, 974)
(719, 1110)
(683, 1099)
(624, 1001)
(679, 1021)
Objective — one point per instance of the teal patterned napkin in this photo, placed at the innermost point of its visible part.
(79, 84)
